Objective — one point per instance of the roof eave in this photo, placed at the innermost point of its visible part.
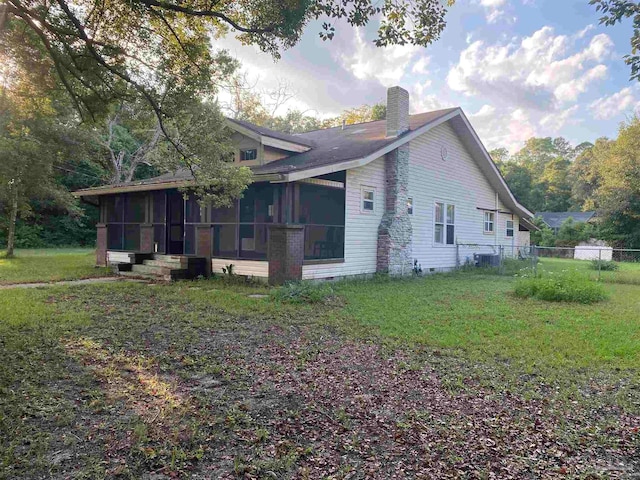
(150, 187)
(268, 140)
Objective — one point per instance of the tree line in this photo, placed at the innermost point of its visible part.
(549, 174)
(103, 92)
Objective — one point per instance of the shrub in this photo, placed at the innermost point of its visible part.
(604, 265)
(560, 287)
(303, 292)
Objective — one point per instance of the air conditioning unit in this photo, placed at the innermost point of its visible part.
(486, 260)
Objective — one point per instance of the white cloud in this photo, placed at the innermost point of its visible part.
(387, 65)
(556, 120)
(537, 72)
(495, 10)
(420, 67)
(609, 106)
(424, 101)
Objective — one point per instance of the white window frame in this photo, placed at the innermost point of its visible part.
(490, 221)
(363, 190)
(410, 206)
(507, 228)
(445, 223)
(244, 150)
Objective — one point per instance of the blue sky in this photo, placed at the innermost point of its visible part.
(518, 69)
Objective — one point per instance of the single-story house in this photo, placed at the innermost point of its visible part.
(343, 201)
(554, 220)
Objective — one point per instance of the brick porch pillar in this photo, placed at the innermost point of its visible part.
(146, 238)
(204, 243)
(101, 245)
(285, 253)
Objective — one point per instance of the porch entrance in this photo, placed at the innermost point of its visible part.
(175, 223)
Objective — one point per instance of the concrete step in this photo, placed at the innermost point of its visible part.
(155, 270)
(161, 263)
(171, 258)
(146, 276)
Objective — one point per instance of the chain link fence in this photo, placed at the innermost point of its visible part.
(602, 263)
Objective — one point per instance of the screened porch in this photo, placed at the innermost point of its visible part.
(163, 221)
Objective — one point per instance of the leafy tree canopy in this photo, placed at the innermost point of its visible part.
(615, 11)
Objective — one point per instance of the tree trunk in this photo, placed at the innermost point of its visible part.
(11, 237)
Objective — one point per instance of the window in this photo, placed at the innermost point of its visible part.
(368, 199)
(488, 222)
(410, 206)
(444, 224)
(250, 154)
(509, 228)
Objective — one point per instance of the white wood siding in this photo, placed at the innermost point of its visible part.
(458, 181)
(120, 257)
(361, 229)
(251, 268)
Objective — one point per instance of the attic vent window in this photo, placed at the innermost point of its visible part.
(250, 154)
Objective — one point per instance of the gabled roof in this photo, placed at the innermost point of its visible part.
(334, 149)
(272, 138)
(336, 145)
(556, 219)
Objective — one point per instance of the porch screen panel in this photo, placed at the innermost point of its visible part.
(193, 216)
(322, 211)
(256, 213)
(158, 217)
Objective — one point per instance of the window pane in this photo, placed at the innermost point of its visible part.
(438, 238)
(251, 243)
(134, 211)
(224, 215)
(321, 205)
(410, 206)
(439, 213)
(368, 195)
(192, 210)
(114, 209)
(368, 205)
(250, 154)
(451, 213)
(450, 234)
(322, 242)
(159, 207)
(132, 237)
(114, 236)
(189, 239)
(224, 240)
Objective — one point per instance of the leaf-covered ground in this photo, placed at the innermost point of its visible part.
(197, 380)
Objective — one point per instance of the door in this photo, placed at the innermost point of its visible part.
(175, 222)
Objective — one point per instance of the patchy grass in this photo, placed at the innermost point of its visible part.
(571, 286)
(448, 376)
(49, 265)
(479, 316)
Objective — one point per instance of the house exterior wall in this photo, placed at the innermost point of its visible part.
(361, 229)
(456, 180)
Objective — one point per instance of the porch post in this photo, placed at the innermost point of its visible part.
(204, 243)
(101, 245)
(146, 238)
(285, 253)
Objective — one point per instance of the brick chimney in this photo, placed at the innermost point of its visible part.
(397, 111)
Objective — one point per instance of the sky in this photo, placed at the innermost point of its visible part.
(518, 69)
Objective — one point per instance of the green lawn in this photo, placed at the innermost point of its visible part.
(448, 376)
(627, 273)
(48, 265)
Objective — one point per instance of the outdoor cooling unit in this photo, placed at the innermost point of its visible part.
(486, 260)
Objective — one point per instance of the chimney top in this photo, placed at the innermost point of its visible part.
(397, 111)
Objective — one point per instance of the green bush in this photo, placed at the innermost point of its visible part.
(604, 265)
(560, 287)
(303, 292)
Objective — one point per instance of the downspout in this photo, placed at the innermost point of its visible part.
(497, 225)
